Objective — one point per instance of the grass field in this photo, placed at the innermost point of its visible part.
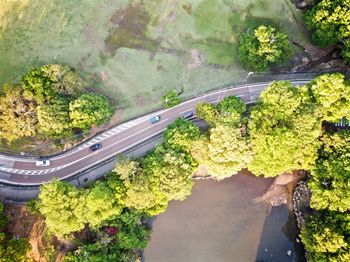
(133, 51)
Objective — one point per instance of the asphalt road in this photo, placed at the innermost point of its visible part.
(22, 171)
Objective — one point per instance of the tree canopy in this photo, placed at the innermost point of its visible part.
(224, 152)
(181, 134)
(54, 120)
(329, 181)
(170, 99)
(18, 116)
(328, 21)
(262, 46)
(89, 110)
(331, 94)
(284, 131)
(326, 237)
(63, 207)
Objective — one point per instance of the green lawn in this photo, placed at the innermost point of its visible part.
(134, 51)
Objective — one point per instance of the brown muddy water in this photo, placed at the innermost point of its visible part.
(220, 222)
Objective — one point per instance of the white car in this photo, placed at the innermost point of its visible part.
(42, 163)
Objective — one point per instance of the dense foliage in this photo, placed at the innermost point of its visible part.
(331, 94)
(90, 110)
(119, 239)
(49, 101)
(284, 131)
(326, 237)
(11, 249)
(263, 46)
(170, 99)
(328, 21)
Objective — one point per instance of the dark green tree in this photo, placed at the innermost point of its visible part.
(263, 46)
(330, 179)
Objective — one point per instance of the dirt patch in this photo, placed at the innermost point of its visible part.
(129, 27)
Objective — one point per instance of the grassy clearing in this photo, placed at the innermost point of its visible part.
(133, 51)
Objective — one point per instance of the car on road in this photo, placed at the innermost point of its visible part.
(154, 119)
(187, 114)
(95, 147)
(42, 162)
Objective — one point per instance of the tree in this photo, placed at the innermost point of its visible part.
(284, 130)
(49, 82)
(171, 171)
(3, 219)
(181, 134)
(329, 181)
(127, 169)
(101, 204)
(18, 116)
(54, 120)
(325, 237)
(224, 152)
(263, 46)
(63, 207)
(170, 99)
(90, 109)
(207, 112)
(331, 94)
(328, 21)
(228, 112)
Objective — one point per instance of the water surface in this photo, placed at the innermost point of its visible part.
(220, 222)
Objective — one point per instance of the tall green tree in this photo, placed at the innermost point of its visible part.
(328, 21)
(63, 207)
(18, 117)
(284, 130)
(330, 179)
(263, 46)
(90, 110)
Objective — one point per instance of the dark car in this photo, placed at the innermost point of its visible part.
(95, 147)
(188, 114)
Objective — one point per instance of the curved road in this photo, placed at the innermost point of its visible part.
(22, 171)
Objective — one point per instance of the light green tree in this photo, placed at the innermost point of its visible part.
(207, 112)
(90, 110)
(101, 204)
(263, 46)
(63, 207)
(224, 152)
(331, 93)
(181, 134)
(328, 21)
(170, 99)
(284, 131)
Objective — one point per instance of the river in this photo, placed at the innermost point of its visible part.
(220, 222)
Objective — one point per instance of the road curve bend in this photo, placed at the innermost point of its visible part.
(21, 171)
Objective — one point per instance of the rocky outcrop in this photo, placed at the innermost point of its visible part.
(301, 203)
